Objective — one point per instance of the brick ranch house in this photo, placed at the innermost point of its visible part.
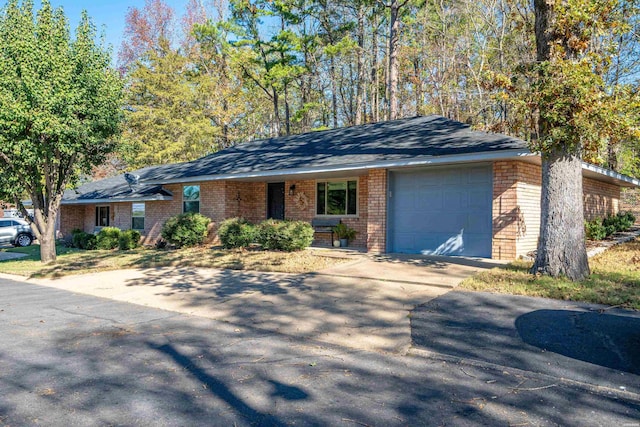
(420, 185)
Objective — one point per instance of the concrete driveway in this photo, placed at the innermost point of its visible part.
(9, 255)
(363, 304)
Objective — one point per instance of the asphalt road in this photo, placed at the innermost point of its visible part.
(586, 343)
(69, 359)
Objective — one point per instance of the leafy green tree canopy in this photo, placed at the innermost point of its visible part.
(60, 107)
(168, 117)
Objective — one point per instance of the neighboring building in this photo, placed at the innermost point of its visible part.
(10, 212)
(421, 185)
(6, 210)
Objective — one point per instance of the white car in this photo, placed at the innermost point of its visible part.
(16, 232)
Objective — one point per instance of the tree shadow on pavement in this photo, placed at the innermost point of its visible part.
(343, 310)
(435, 261)
(219, 388)
(602, 339)
(219, 283)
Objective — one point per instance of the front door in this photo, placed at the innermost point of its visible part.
(275, 200)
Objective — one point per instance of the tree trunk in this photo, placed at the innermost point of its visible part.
(375, 83)
(562, 249)
(612, 156)
(44, 228)
(43, 224)
(334, 91)
(287, 114)
(48, 245)
(360, 108)
(394, 28)
(418, 86)
(276, 114)
(225, 125)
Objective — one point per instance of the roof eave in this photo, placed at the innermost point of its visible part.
(385, 164)
(154, 198)
(607, 175)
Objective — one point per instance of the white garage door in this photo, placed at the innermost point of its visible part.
(441, 211)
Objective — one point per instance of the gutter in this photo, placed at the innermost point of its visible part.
(385, 164)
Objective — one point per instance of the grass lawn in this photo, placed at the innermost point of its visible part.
(614, 280)
(76, 261)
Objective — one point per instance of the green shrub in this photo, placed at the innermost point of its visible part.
(187, 229)
(108, 238)
(630, 217)
(284, 235)
(82, 240)
(236, 233)
(610, 229)
(129, 239)
(600, 228)
(619, 222)
(267, 233)
(611, 223)
(595, 230)
(624, 221)
(76, 237)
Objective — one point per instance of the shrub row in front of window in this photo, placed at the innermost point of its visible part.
(269, 234)
(191, 229)
(599, 228)
(108, 238)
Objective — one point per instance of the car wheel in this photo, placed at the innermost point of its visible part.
(23, 240)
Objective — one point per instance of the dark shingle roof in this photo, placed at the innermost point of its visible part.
(370, 143)
(403, 139)
(116, 189)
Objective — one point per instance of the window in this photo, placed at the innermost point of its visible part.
(337, 198)
(137, 216)
(191, 198)
(102, 216)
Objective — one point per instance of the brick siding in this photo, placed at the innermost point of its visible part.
(90, 217)
(529, 192)
(157, 212)
(246, 200)
(71, 217)
(516, 206)
(600, 198)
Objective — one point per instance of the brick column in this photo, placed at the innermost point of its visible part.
(505, 210)
(377, 212)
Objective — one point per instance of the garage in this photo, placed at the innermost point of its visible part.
(441, 211)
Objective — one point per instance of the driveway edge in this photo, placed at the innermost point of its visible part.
(554, 381)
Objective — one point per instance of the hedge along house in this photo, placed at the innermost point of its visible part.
(424, 185)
